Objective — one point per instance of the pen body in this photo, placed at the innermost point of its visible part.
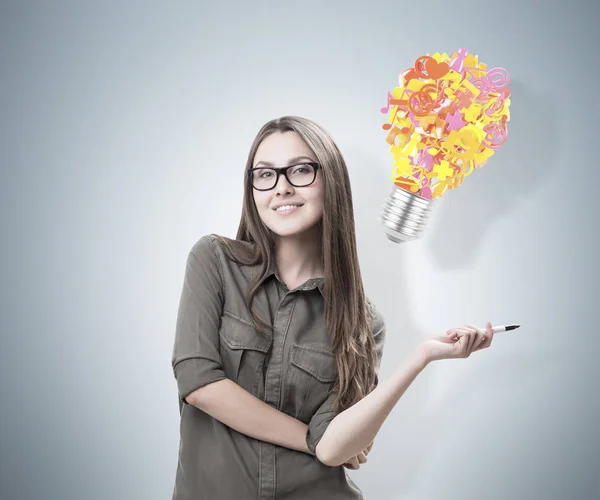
(504, 328)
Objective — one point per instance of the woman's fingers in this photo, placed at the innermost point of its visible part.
(361, 458)
(465, 342)
(486, 336)
(470, 338)
(489, 331)
(480, 337)
(455, 334)
(459, 346)
(489, 334)
(473, 338)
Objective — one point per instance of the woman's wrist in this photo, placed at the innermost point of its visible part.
(423, 354)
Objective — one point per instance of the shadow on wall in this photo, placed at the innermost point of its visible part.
(527, 156)
(521, 166)
(382, 262)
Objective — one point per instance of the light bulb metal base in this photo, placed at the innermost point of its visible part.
(405, 215)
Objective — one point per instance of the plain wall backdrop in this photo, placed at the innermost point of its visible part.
(125, 130)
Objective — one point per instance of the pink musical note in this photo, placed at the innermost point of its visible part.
(387, 108)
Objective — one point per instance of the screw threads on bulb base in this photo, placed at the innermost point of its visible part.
(404, 215)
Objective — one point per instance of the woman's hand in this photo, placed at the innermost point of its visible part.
(361, 458)
(457, 342)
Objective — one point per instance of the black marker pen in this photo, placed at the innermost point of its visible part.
(503, 328)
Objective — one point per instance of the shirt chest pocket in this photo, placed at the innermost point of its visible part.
(243, 353)
(310, 376)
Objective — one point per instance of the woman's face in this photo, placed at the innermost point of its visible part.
(281, 150)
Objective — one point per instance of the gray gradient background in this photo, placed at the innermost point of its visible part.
(124, 135)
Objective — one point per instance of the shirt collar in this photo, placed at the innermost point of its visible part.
(310, 284)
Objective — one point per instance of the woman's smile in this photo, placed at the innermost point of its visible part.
(288, 209)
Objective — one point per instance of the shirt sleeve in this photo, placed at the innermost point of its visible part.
(196, 360)
(326, 413)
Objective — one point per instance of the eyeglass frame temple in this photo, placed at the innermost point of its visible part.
(283, 170)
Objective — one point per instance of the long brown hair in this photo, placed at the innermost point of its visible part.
(346, 307)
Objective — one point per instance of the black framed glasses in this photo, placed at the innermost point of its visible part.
(266, 178)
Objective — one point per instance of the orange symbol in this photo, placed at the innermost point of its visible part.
(421, 103)
(428, 67)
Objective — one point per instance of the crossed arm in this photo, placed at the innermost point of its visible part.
(232, 405)
(333, 438)
(346, 435)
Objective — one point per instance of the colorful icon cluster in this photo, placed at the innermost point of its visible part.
(446, 118)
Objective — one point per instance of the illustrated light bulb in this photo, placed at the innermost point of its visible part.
(445, 119)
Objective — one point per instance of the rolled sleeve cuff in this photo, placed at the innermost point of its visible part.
(316, 429)
(321, 420)
(193, 373)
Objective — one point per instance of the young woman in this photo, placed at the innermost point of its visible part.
(277, 348)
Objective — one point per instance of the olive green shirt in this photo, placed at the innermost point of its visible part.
(293, 372)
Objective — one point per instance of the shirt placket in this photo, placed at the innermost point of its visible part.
(273, 389)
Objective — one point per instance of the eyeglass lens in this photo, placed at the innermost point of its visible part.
(299, 176)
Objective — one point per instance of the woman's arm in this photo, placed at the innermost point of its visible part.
(356, 427)
(235, 407)
(197, 363)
